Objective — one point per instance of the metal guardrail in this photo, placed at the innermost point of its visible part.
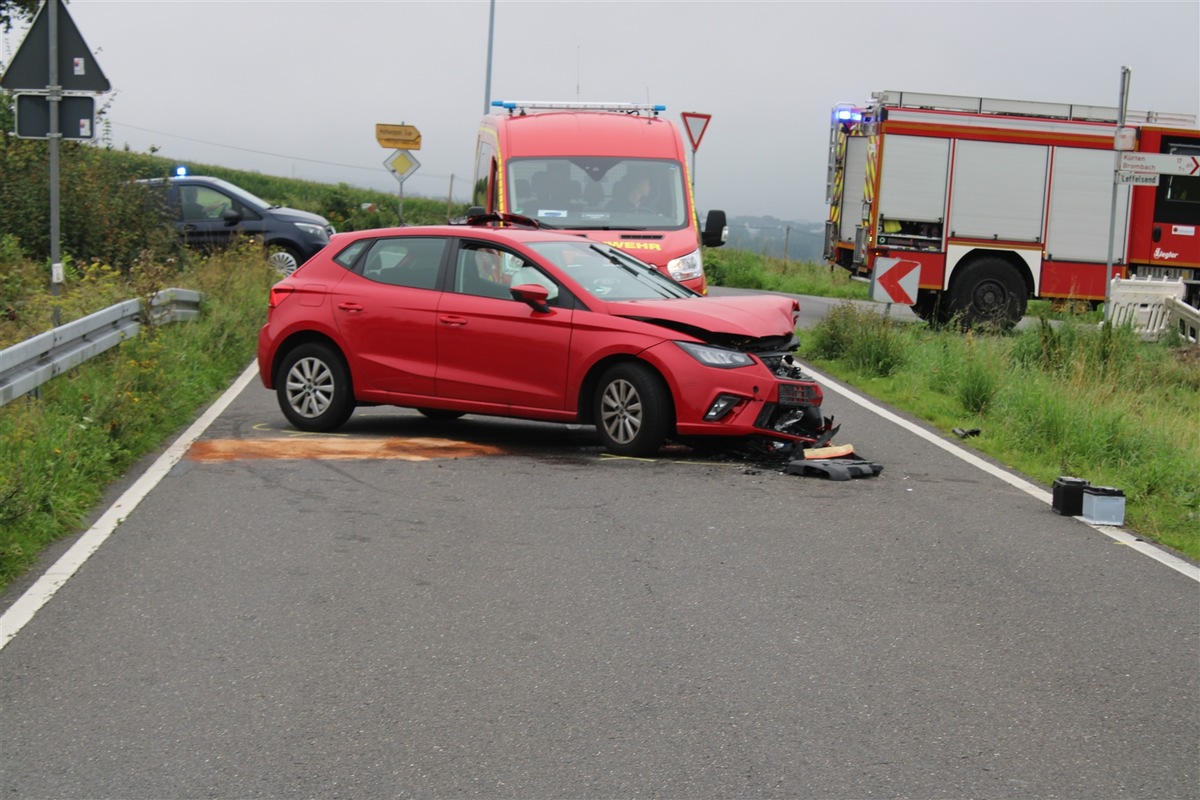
(26, 366)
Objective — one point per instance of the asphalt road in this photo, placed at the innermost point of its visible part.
(491, 608)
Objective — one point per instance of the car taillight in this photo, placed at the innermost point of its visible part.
(800, 394)
(279, 293)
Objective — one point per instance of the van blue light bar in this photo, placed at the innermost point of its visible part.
(548, 105)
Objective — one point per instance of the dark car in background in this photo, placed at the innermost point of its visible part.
(542, 325)
(211, 213)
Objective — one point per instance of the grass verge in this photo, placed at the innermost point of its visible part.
(63, 447)
(749, 271)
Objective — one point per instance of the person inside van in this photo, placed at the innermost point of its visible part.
(593, 194)
(201, 203)
(632, 193)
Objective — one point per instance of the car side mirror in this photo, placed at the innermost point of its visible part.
(533, 295)
(476, 211)
(716, 229)
(230, 215)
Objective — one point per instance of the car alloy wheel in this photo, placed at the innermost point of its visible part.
(310, 387)
(632, 410)
(283, 260)
(313, 388)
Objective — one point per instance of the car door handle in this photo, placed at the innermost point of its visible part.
(350, 308)
(450, 319)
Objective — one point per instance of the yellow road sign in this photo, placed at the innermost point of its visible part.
(401, 164)
(399, 137)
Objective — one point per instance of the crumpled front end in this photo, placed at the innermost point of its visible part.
(769, 399)
(796, 414)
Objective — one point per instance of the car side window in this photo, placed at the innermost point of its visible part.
(203, 203)
(412, 261)
(350, 254)
(486, 271)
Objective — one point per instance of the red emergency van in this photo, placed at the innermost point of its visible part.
(615, 172)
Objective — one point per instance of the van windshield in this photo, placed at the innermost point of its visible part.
(608, 274)
(588, 193)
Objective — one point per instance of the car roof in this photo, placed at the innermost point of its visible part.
(180, 179)
(488, 232)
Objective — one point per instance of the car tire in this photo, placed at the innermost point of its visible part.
(284, 258)
(632, 410)
(313, 388)
(440, 414)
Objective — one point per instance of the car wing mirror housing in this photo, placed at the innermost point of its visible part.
(533, 295)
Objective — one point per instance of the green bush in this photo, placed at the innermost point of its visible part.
(860, 336)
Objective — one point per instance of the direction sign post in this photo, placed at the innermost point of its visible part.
(54, 59)
(1144, 169)
(1121, 142)
(398, 137)
(1160, 163)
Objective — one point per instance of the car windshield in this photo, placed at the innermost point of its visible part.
(592, 193)
(608, 274)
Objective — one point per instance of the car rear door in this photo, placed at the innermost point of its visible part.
(386, 311)
(494, 349)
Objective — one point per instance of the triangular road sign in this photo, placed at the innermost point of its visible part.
(30, 67)
(695, 124)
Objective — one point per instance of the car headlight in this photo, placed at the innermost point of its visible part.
(686, 267)
(312, 230)
(718, 357)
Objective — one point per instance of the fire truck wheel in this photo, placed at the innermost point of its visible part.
(988, 292)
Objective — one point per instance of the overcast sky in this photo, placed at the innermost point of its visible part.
(295, 87)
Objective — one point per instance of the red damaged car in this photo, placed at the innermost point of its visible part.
(511, 321)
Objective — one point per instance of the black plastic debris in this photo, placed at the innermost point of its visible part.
(835, 469)
(966, 433)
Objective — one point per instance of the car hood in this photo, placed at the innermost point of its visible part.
(296, 215)
(749, 316)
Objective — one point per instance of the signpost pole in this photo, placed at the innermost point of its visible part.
(1112, 218)
(487, 81)
(55, 98)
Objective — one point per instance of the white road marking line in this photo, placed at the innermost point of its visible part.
(37, 595)
(1120, 535)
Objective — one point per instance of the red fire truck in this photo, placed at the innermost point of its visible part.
(997, 201)
(614, 172)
